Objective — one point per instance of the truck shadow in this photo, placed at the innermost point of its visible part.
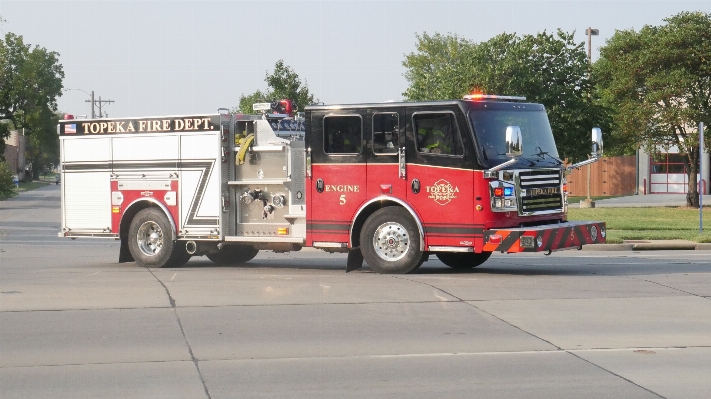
(434, 267)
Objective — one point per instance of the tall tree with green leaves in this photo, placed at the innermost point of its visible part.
(283, 83)
(657, 82)
(30, 82)
(550, 69)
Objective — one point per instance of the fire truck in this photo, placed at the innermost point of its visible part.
(389, 183)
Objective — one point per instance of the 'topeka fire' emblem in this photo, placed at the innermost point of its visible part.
(442, 192)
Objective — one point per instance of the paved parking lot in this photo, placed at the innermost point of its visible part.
(76, 324)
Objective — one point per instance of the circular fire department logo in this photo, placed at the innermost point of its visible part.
(442, 192)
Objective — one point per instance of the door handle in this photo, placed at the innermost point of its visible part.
(402, 173)
(319, 185)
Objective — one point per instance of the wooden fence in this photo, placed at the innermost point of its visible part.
(608, 176)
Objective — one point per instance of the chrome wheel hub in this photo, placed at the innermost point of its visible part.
(391, 241)
(150, 238)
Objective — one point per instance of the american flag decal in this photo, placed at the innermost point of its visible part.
(70, 128)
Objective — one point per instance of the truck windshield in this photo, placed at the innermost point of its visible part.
(490, 129)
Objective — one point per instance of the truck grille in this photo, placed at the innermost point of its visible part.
(542, 188)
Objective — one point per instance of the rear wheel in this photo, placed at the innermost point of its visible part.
(233, 254)
(180, 255)
(390, 241)
(151, 238)
(463, 260)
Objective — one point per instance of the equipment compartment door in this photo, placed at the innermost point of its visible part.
(338, 180)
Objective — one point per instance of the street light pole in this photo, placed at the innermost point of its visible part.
(590, 32)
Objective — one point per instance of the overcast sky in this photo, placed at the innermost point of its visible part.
(171, 58)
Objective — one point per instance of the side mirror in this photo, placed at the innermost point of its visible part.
(514, 141)
(596, 142)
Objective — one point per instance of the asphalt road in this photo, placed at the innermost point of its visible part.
(76, 324)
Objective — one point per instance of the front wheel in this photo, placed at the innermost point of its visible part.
(233, 254)
(151, 238)
(390, 241)
(463, 260)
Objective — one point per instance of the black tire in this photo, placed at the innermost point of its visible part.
(463, 260)
(390, 241)
(233, 254)
(151, 238)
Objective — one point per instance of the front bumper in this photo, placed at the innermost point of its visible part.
(550, 237)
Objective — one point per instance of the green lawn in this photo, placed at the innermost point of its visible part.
(660, 223)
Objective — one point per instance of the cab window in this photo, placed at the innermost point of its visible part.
(342, 134)
(385, 133)
(437, 133)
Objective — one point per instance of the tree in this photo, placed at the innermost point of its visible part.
(658, 83)
(30, 82)
(283, 83)
(549, 69)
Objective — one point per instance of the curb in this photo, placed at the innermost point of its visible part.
(650, 246)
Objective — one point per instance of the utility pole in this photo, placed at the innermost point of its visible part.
(100, 103)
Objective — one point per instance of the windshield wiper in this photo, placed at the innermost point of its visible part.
(531, 163)
(543, 154)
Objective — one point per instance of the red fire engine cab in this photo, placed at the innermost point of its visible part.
(389, 183)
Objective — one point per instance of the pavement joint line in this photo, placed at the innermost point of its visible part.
(92, 364)
(483, 311)
(541, 339)
(182, 331)
(615, 374)
(667, 286)
(458, 300)
(382, 356)
(230, 306)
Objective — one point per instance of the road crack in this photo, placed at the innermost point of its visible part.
(182, 331)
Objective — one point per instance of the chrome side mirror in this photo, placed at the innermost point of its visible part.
(596, 150)
(596, 142)
(514, 141)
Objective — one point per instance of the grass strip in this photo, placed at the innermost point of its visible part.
(657, 223)
(25, 187)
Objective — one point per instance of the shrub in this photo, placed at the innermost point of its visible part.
(6, 185)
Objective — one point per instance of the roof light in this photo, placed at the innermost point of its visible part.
(480, 97)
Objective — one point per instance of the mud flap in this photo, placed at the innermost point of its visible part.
(355, 260)
(124, 252)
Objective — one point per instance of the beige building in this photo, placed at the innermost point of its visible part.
(15, 153)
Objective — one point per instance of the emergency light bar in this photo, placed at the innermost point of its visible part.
(479, 97)
(262, 106)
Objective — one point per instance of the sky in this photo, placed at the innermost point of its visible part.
(191, 57)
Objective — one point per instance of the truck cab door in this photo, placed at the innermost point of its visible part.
(338, 176)
(440, 176)
(386, 150)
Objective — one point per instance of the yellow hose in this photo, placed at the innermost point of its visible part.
(243, 148)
